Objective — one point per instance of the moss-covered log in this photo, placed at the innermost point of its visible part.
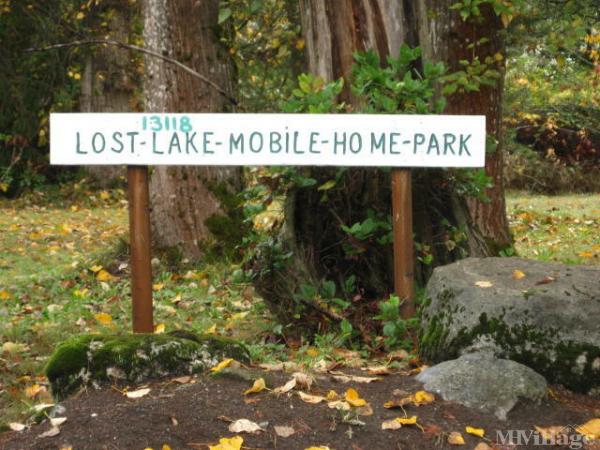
(94, 359)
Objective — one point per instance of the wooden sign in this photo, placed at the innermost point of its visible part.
(140, 139)
(268, 139)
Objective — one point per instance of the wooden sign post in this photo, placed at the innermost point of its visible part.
(352, 140)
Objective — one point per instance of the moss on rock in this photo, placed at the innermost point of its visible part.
(94, 359)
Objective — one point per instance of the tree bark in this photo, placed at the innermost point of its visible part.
(183, 198)
(106, 82)
(445, 37)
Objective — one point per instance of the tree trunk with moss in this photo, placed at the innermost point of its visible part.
(444, 228)
(184, 198)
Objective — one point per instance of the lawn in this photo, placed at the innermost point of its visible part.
(64, 270)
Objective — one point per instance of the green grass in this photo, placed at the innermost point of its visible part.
(63, 261)
(563, 228)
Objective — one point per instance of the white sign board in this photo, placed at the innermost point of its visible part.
(267, 139)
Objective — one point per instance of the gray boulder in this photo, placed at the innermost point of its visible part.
(548, 320)
(481, 381)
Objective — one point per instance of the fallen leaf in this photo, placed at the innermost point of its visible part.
(104, 275)
(166, 447)
(287, 387)
(314, 399)
(223, 364)
(455, 438)
(4, 295)
(284, 431)
(159, 329)
(379, 370)
(54, 431)
(138, 394)
(407, 420)
(353, 398)
(42, 406)
(234, 443)
(15, 426)
(13, 347)
(484, 284)
(158, 286)
(103, 318)
(517, 274)
(258, 386)
(422, 398)
(391, 425)
(475, 431)
(33, 390)
(590, 429)
(245, 426)
(57, 421)
(482, 446)
(340, 405)
(343, 378)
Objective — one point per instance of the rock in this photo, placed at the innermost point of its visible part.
(482, 381)
(548, 319)
(94, 359)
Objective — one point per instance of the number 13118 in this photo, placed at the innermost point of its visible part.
(166, 123)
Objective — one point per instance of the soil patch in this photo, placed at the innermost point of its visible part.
(193, 415)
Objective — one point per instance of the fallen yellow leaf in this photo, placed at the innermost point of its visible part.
(103, 318)
(223, 364)
(312, 352)
(32, 391)
(586, 254)
(517, 274)
(4, 295)
(455, 438)
(234, 443)
(407, 420)
(159, 329)
(422, 398)
(590, 429)
(211, 330)
(96, 269)
(391, 425)
(258, 386)
(475, 431)
(353, 398)
(158, 286)
(103, 275)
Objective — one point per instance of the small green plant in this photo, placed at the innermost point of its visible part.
(395, 328)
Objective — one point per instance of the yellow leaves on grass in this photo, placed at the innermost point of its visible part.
(234, 443)
(159, 329)
(480, 432)
(5, 295)
(104, 275)
(258, 386)
(222, 365)
(103, 318)
(353, 398)
(158, 287)
(33, 390)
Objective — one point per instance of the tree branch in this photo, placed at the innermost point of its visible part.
(136, 48)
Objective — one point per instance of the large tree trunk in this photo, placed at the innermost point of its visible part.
(183, 198)
(106, 82)
(445, 37)
(334, 30)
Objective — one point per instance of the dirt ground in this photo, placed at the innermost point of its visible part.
(195, 414)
